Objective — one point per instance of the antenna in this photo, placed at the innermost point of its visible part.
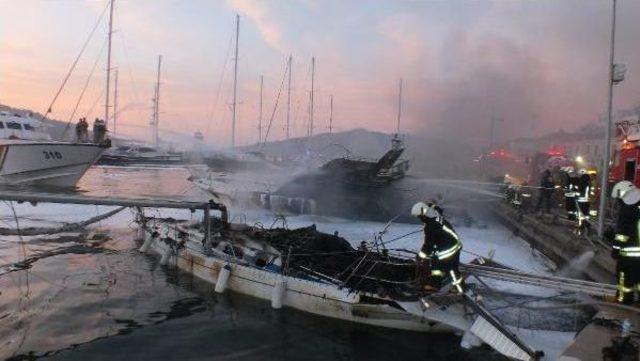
(289, 97)
(235, 85)
(106, 100)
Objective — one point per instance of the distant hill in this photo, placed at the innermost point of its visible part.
(431, 157)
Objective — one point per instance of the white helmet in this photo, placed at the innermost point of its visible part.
(620, 188)
(425, 210)
(632, 196)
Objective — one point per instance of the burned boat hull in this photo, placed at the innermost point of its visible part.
(321, 299)
(250, 261)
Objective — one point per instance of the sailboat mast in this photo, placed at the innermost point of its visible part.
(399, 107)
(260, 116)
(313, 71)
(115, 103)
(106, 101)
(289, 97)
(156, 104)
(331, 114)
(235, 85)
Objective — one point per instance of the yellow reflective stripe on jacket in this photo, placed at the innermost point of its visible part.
(450, 231)
(422, 255)
(621, 238)
(630, 251)
(449, 252)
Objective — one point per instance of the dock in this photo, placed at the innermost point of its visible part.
(138, 203)
(557, 242)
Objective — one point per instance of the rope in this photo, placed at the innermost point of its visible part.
(217, 98)
(275, 106)
(84, 89)
(66, 228)
(75, 62)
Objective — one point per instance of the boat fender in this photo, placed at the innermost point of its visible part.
(165, 256)
(223, 279)
(149, 238)
(278, 293)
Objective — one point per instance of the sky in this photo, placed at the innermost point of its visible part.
(535, 66)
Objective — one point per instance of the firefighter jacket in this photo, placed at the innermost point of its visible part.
(627, 240)
(441, 242)
(584, 188)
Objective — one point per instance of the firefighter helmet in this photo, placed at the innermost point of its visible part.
(620, 188)
(632, 196)
(422, 209)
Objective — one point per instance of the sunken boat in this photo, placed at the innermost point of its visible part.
(323, 274)
(345, 187)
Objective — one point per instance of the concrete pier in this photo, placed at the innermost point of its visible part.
(558, 242)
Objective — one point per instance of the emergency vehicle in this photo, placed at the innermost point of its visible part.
(627, 152)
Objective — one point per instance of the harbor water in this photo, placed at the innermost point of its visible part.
(94, 296)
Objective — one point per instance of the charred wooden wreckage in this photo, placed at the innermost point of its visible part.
(324, 275)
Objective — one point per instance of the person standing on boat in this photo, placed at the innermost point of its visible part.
(82, 128)
(626, 244)
(441, 247)
(99, 131)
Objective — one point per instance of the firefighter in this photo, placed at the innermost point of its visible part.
(626, 245)
(570, 193)
(441, 247)
(584, 190)
(545, 191)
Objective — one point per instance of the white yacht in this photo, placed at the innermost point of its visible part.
(28, 155)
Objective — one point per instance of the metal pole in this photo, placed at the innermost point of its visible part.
(331, 114)
(106, 100)
(235, 85)
(260, 116)
(289, 97)
(313, 71)
(115, 104)
(399, 107)
(607, 145)
(156, 110)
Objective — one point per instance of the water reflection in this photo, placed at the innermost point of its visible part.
(73, 300)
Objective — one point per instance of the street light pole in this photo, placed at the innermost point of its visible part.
(607, 145)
